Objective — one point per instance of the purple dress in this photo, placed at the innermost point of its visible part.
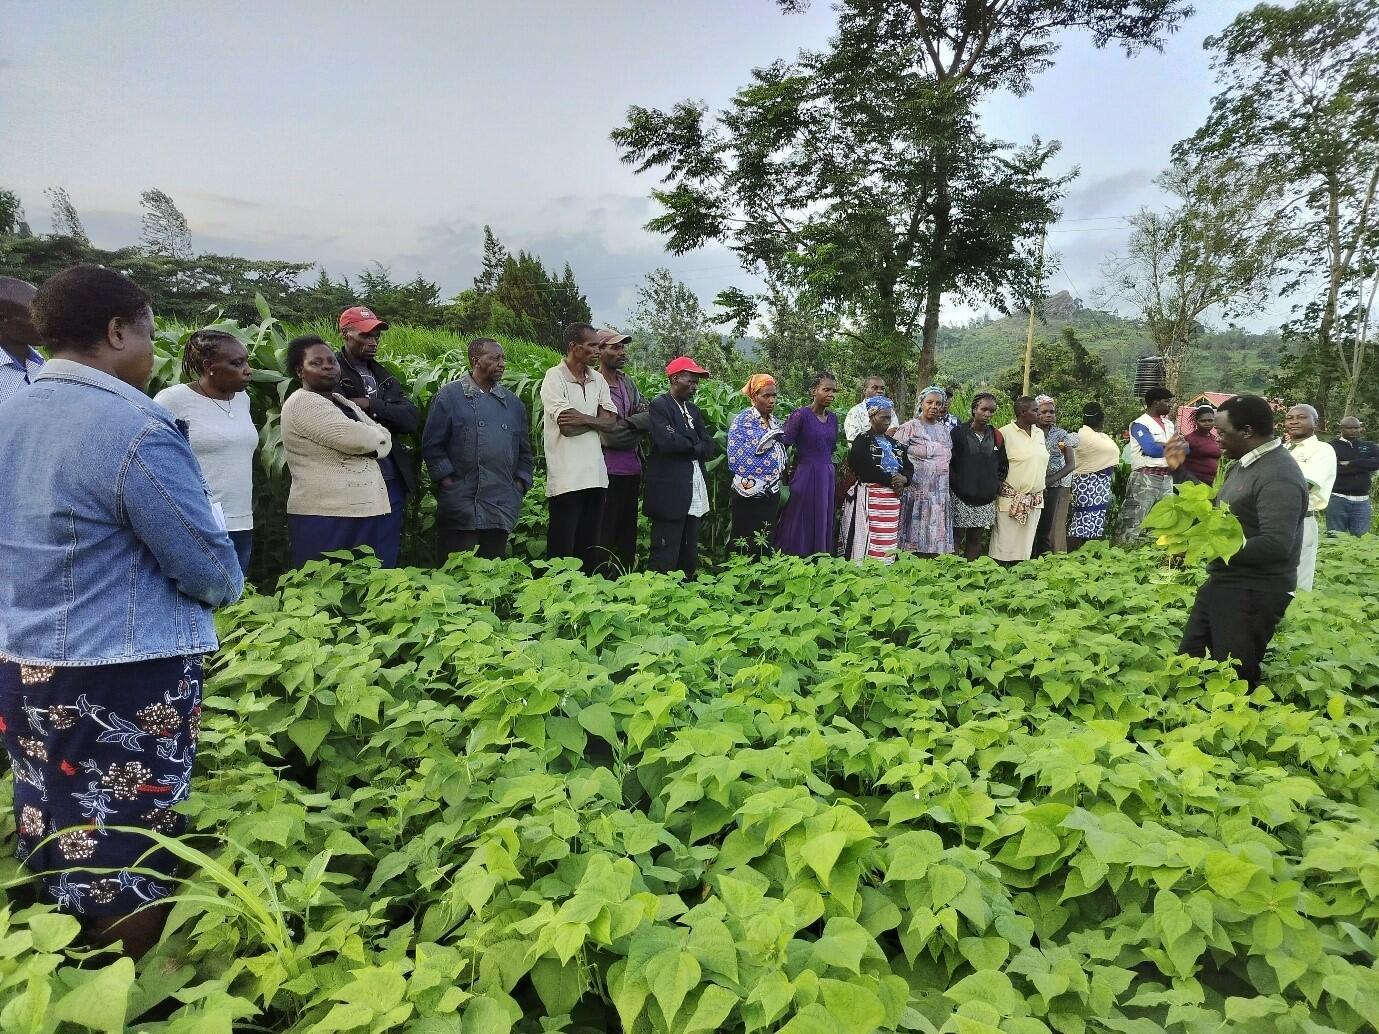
(806, 522)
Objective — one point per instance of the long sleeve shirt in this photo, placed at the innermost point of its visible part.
(1356, 463)
(1148, 436)
(1317, 459)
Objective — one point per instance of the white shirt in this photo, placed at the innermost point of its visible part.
(1318, 462)
(224, 444)
(699, 492)
(573, 462)
(1158, 433)
(859, 420)
(15, 374)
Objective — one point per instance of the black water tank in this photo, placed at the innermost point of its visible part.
(1149, 373)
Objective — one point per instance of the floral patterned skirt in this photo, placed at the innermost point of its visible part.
(95, 747)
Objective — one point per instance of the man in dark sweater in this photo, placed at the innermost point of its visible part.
(1356, 461)
(1243, 599)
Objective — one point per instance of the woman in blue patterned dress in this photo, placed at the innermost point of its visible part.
(756, 459)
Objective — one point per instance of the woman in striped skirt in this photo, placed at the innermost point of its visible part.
(871, 514)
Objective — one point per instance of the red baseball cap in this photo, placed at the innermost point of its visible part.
(684, 364)
(357, 317)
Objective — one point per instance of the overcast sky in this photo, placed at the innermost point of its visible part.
(343, 131)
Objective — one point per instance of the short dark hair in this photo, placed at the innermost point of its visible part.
(200, 349)
(576, 333)
(73, 309)
(1156, 395)
(479, 346)
(1023, 400)
(297, 349)
(984, 395)
(827, 375)
(1250, 411)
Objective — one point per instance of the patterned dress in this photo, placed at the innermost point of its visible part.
(871, 512)
(926, 519)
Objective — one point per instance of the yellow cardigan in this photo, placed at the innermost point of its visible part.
(333, 459)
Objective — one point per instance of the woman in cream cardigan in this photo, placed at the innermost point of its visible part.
(338, 496)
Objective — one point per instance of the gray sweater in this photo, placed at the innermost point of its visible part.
(1269, 498)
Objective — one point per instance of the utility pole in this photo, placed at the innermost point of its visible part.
(1029, 333)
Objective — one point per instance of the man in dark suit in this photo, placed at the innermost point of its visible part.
(676, 496)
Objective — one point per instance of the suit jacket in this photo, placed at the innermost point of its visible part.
(675, 448)
(392, 408)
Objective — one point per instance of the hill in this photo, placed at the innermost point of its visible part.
(1226, 360)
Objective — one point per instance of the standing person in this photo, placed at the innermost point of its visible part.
(858, 420)
(379, 394)
(871, 514)
(1356, 462)
(975, 474)
(949, 391)
(338, 499)
(18, 337)
(618, 531)
(806, 522)
(1052, 534)
(576, 405)
(677, 487)
(1090, 494)
(926, 519)
(1317, 460)
(1149, 476)
(112, 561)
(1021, 497)
(213, 404)
(477, 445)
(1204, 451)
(756, 459)
(1243, 599)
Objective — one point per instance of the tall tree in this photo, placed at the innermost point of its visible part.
(165, 229)
(12, 222)
(666, 320)
(1220, 246)
(852, 179)
(491, 271)
(1300, 104)
(66, 222)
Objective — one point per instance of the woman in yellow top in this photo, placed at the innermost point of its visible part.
(1097, 456)
(1021, 497)
(339, 499)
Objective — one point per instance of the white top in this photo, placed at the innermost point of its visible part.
(699, 492)
(1318, 462)
(224, 444)
(859, 420)
(573, 462)
(1159, 433)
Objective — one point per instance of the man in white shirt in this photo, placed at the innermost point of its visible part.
(857, 419)
(1317, 459)
(19, 363)
(575, 403)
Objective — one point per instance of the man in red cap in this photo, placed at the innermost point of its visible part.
(677, 486)
(376, 391)
(618, 533)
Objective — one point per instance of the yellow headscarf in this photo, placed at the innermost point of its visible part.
(756, 382)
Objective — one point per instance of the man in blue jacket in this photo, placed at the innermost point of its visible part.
(477, 445)
(677, 489)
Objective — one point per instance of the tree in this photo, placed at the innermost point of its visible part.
(1300, 106)
(1065, 369)
(666, 321)
(854, 181)
(165, 229)
(491, 271)
(12, 222)
(798, 341)
(1222, 246)
(66, 222)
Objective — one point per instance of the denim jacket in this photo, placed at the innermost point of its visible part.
(109, 549)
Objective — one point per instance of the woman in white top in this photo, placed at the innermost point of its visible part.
(214, 407)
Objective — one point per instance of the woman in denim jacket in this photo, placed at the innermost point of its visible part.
(111, 560)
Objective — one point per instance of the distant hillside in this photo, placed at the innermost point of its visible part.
(1228, 360)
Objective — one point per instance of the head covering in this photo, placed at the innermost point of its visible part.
(684, 364)
(756, 382)
(932, 389)
(1092, 410)
(878, 402)
(1204, 409)
(1041, 399)
(609, 336)
(362, 319)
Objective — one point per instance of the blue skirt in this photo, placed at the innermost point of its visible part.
(95, 747)
(311, 536)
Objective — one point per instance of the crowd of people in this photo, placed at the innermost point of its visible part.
(129, 520)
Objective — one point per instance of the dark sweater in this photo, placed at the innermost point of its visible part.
(1269, 498)
(1356, 463)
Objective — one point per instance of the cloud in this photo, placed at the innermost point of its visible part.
(226, 201)
(1110, 195)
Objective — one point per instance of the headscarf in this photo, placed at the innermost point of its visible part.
(879, 402)
(1039, 400)
(933, 389)
(756, 382)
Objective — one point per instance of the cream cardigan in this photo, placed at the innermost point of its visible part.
(333, 459)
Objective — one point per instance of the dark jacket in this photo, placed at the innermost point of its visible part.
(864, 458)
(674, 448)
(1269, 499)
(1355, 466)
(627, 431)
(977, 468)
(483, 440)
(391, 407)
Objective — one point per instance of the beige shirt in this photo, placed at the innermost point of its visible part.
(1318, 462)
(333, 459)
(1095, 451)
(1029, 461)
(573, 462)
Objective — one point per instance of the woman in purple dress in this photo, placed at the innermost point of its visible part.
(806, 522)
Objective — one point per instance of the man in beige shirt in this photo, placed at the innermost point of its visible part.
(1317, 459)
(1021, 497)
(575, 403)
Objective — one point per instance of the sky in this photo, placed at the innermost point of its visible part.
(346, 132)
